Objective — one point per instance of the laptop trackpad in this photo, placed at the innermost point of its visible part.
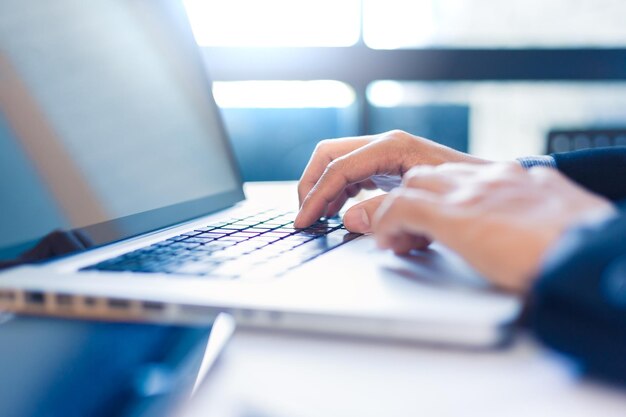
(360, 277)
(436, 266)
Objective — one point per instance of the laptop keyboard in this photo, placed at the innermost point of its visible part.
(261, 245)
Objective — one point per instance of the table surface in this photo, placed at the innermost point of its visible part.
(274, 374)
(277, 374)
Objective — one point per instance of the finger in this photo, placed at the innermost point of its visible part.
(429, 178)
(368, 184)
(334, 207)
(407, 211)
(404, 243)
(358, 218)
(440, 179)
(349, 192)
(356, 166)
(325, 152)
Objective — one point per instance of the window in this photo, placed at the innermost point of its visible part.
(275, 125)
(283, 94)
(391, 24)
(275, 23)
(495, 77)
(503, 120)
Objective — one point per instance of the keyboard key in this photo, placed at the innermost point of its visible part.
(339, 237)
(234, 226)
(248, 232)
(200, 240)
(322, 227)
(273, 225)
(214, 235)
(273, 250)
(312, 232)
(217, 224)
(267, 239)
(251, 245)
(205, 229)
(196, 268)
(279, 235)
(248, 222)
(191, 234)
(305, 252)
(216, 245)
(222, 256)
(231, 238)
(333, 221)
(236, 251)
(299, 238)
(288, 260)
(206, 249)
(242, 235)
(258, 229)
(183, 245)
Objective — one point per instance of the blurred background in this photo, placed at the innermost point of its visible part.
(500, 79)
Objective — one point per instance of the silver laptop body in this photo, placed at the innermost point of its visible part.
(111, 142)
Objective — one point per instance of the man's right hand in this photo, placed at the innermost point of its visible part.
(340, 168)
(501, 218)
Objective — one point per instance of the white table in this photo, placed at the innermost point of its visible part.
(279, 374)
(274, 374)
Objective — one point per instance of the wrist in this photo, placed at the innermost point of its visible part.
(528, 162)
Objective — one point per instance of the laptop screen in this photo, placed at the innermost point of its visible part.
(108, 128)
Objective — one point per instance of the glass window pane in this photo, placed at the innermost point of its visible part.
(283, 94)
(274, 23)
(503, 120)
(390, 24)
(275, 125)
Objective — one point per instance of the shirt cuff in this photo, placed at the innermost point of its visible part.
(528, 162)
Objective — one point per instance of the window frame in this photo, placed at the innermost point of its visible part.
(359, 66)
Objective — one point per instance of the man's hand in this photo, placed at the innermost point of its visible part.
(340, 168)
(500, 218)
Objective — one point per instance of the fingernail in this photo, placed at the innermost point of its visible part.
(357, 220)
(296, 221)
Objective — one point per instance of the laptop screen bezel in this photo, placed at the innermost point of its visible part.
(122, 228)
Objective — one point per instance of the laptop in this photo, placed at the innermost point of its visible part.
(121, 198)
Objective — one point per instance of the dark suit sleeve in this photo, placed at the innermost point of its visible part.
(578, 305)
(602, 171)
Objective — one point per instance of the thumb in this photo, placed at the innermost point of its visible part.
(358, 218)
